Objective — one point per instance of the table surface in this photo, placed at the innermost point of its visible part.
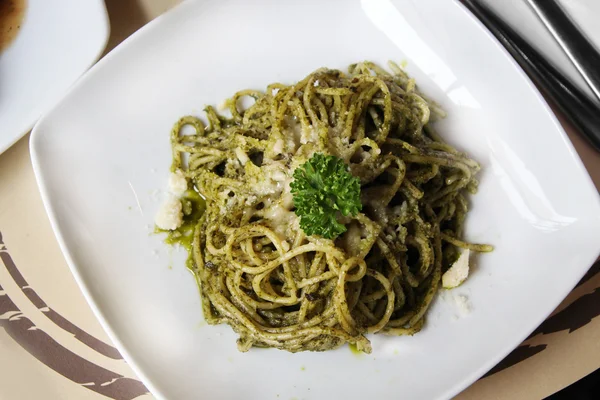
(52, 338)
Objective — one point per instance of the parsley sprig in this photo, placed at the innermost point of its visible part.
(323, 188)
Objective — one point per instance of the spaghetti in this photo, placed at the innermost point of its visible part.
(260, 273)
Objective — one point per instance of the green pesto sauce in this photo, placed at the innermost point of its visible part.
(355, 350)
(193, 208)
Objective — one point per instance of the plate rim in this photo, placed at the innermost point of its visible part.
(468, 379)
(101, 46)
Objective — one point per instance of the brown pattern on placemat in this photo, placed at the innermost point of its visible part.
(576, 315)
(521, 353)
(39, 344)
(73, 367)
(78, 333)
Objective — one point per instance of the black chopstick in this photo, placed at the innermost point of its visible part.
(582, 112)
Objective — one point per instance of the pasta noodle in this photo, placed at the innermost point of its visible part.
(260, 273)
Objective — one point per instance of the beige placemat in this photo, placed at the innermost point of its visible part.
(52, 347)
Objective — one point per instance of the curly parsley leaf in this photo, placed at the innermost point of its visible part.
(323, 188)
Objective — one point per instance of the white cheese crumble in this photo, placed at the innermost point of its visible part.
(251, 200)
(278, 176)
(309, 135)
(281, 219)
(287, 200)
(265, 187)
(241, 155)
(177, 183)
(291, 146)
(278, 146)
(458, 272)
(170, 214)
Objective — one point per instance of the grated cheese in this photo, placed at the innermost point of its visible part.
(170, 214)
(177, 183)
(458, 272)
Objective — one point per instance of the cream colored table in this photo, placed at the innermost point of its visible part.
(52, 347)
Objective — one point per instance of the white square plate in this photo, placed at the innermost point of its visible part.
(58, 40)
(105, 148)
